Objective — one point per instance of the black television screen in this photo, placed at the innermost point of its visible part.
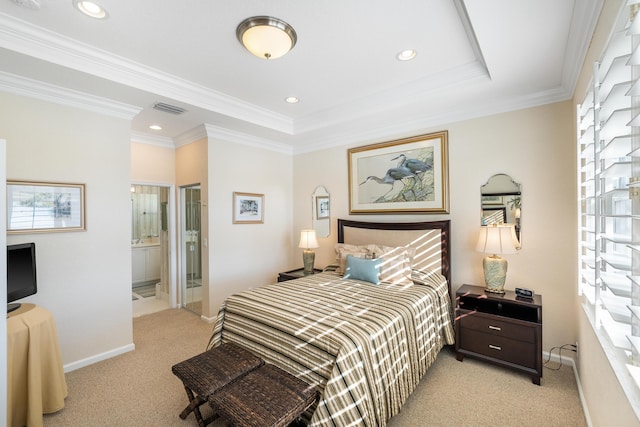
(21, 273)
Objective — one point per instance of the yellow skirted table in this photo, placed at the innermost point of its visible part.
(35, 378)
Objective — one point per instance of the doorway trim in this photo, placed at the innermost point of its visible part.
(172, 221)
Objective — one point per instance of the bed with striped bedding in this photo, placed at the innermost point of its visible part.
(365, 346)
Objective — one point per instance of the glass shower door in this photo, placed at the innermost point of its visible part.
(191, 258)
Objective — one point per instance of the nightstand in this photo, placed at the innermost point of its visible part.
(501, 329)
(294, 274)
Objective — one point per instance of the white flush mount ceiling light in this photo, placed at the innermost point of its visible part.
(155, 127)
(91, 8)
(406, 55)
(292, 100)
(266, 37)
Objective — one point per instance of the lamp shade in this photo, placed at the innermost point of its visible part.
(308, 239)
(266, 37)
(497, 239)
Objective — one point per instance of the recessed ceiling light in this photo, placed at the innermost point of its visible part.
(155, 127)
(406, 55)
(91, 8)
(292, 100)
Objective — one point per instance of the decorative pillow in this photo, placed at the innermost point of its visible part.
(396, 263)
(342, 247)
(342, 250)
(363, 269)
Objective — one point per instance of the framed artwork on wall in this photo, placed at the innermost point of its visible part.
(38, 207)
(248, 208)
(408, 175)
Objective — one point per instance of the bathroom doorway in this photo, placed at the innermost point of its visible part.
(150, 248)
(191, 256)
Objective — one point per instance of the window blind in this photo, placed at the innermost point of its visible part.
(609, 192)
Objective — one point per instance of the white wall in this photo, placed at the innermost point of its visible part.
(83, 277)
(535, 147)
(153, 164)
(243, 256)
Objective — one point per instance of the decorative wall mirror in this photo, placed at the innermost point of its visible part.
(501, 202)
(320, 211)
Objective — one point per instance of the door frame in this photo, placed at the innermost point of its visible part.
(182, 254)
(171, 233)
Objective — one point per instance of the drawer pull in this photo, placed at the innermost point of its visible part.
(495, 347)
(495, 328)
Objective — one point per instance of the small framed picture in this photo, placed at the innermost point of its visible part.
(38, 207)
(322, 207)
(248, 208)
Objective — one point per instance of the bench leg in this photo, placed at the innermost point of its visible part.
(194, 406)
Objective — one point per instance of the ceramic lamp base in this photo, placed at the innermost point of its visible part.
(495, 274)
(308, 258)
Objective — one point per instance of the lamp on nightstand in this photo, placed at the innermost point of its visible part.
(496, 240)
(308, 241)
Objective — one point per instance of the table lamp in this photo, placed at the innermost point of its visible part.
(496, 240)
(307, 242)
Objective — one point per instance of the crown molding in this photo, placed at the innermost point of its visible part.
(19, 85)
(384, 101)
(28, 39)
(216, 132)
(192, 135)
(583, 24)
(158, 141)
(419, 121)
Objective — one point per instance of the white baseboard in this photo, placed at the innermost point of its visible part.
(98, 358)
(569, 361)
(209, 319)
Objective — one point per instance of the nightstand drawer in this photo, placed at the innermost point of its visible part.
(517, 352)
(493, 325)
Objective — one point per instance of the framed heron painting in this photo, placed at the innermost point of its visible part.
(409, 175)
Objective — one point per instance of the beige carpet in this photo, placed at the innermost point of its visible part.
(138, 388)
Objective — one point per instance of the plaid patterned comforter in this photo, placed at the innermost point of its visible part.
(365, 346)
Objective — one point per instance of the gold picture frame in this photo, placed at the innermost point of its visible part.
(409, 175)
(41, 207)
(248, 208)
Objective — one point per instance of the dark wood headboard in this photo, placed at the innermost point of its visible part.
(431, 240)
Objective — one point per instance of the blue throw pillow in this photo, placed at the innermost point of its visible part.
(363, 269)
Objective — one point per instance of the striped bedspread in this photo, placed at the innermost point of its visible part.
(365, 346)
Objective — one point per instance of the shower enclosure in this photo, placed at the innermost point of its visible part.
(191, 271)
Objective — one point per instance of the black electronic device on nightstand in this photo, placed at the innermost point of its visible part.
(524, 293)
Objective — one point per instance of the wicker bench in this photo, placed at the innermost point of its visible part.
(208, 372)
(264, 397)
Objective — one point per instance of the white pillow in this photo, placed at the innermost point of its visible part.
(396, 263)
(342, 250)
